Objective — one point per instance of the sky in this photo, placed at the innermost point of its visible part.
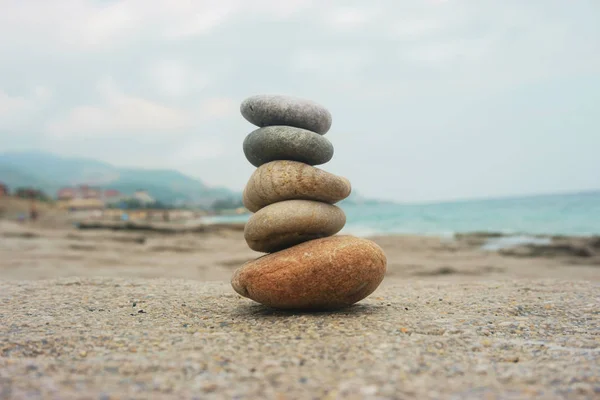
(431, 99)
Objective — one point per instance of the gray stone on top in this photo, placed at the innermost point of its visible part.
(286, 143)
(269, 110)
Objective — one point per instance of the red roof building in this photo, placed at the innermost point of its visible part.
(84, 192)
(66, 194)
(108, 193)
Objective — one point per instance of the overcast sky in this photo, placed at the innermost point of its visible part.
(431, 99)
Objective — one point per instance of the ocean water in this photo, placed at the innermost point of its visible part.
(564, 214)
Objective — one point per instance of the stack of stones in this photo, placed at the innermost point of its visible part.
(295, 217)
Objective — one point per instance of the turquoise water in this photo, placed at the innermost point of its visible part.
(568, 214)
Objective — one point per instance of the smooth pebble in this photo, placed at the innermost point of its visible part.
(269, 110)
(291, 180)
(327, 273)
(287, 223)
(286, 143)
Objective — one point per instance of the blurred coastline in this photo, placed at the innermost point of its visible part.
(551, 236)
(571, 214)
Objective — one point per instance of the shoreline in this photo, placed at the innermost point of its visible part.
(214, 251)
(210, 223)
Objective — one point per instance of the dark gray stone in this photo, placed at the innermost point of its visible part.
(286, 143)
(269, 110)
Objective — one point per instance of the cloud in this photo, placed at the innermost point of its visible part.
(82, 25)
(201, 21)
(197, 149)
(42, 94)
(441, 54)
(15, 105)
(175, 78)
(21, 112)
(92, 26)
(12, 104)
(217, 108)
(103, 25)
(348, 18)
(415, 28)
(120, 114)
(124, 114)
(338, 64)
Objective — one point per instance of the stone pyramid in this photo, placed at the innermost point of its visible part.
(295, 218)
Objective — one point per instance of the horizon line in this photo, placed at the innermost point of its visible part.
(514, 196)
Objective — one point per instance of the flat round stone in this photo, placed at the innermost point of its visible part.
(286, 143)
(328, 273)
(269, 110)
(291, 180)
(287, 223)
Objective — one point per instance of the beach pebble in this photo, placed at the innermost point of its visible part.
(287, 223)
(286, 143)
(269, 110)
(327, 273)
(288, 180)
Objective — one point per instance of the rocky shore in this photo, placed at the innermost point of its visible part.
(575, 249)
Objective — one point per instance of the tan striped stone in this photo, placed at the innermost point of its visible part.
(291, 180)
(287, 223)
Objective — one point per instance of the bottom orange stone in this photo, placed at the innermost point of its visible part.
(327, 273)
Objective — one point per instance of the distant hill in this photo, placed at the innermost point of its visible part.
(54, 169)
(13, 177)
(51, 172)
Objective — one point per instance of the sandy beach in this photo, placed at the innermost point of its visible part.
(139, 314)
(30, 252)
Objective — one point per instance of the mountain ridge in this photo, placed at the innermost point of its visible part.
(50, 172)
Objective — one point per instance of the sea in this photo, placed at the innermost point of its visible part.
(521, 218)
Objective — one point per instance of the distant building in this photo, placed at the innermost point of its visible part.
(108, 193)
(66, 194)
(84, 204)
(108, 197)
(79, 192)
(143, 197)
(89, 193)
(111, 196)
(3, 190)
(86, 192)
